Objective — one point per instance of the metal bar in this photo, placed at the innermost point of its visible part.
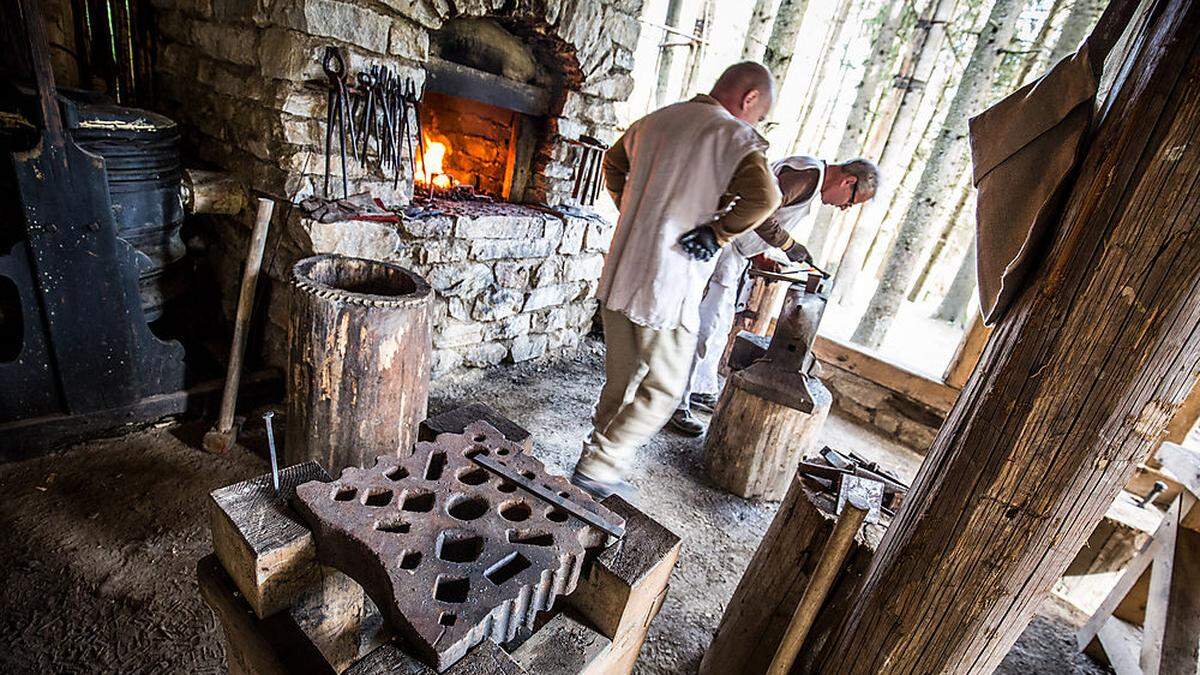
(507, 473)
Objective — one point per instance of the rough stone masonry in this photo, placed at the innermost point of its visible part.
(245, 82)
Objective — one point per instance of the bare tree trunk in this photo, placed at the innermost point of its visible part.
(953, 225)
(1079, 22)
(696, 50)
(947, 161)
(954, 304)
(879, 63)
(782, 45)
(666, 56)
(1077, 383)
(1042, 45)
(827, 63)
(759, 30)
(895, 125)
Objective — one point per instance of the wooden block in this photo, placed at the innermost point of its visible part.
(485, 658)
(753, 445)
(563, 645)
(270, 646)
(455, 421)
(265, 547)
(1144, 477)
(330, 614)
(1140, 565)
(757, 615)
(625, 586)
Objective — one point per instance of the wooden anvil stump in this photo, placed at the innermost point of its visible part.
(758, 614)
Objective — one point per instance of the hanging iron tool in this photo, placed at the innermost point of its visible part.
(336, 107)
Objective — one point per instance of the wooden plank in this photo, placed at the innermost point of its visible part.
(1181, 640)
(564, 645)
(1119, 642)
(967, 354)
(624, 588)
(1158, 599)
(915, 386)
(1183, 463)
(265, 547)
(1117, 539)
(1139, 565)
(271, 646)
(1185, 416)
(486, 658)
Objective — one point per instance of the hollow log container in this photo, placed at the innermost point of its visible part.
(358, 361)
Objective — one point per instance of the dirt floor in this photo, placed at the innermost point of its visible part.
(101, 540)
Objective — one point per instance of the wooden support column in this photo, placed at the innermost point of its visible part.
(1076, 384)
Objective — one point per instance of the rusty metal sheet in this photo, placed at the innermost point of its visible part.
(451, 553)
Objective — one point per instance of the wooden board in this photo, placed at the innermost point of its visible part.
(753, 445)
(625, 587)
(920, 388)
(564, 645)
(265, 547)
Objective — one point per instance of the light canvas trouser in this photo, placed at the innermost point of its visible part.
(645, 372)
(716, 320)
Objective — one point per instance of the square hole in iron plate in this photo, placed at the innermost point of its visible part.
(409, 560)
(510, 566)
(459, 546)
(448, 618)
(530, 537)
(377, 497)
(452, 590)
(418, 501)
(393, 525)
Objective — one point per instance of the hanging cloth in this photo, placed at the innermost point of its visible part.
(1024, 151)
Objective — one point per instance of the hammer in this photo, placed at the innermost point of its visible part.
(222, 436)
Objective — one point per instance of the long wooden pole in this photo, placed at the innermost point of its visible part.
(237, 351)
(830, 563)
(1075, 386)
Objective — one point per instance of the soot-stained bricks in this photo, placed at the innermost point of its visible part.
(451, 553)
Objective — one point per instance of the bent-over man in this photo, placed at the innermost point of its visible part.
(667, 175)
(801, 179)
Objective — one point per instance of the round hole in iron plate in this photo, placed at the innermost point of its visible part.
(564, 494)
(473, 476)
(528, 475)
(479, 438)
(506, 486)
(502, 451)
(557, 515)
(464, 507)
(515, 510)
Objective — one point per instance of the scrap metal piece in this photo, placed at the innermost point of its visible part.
(501, 468)
(449, 552)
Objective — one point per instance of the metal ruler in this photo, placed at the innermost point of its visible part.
(541, 492)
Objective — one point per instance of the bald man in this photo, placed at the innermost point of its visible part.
(668, 174)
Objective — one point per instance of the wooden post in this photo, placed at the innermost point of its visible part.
(754, 445)
(1076, 384)
(358, 367)
(769, 592)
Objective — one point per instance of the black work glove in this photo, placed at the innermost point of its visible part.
(700, 243)
(799, 254)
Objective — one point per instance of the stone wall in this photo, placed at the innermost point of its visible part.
(511, 285)
(245, 82)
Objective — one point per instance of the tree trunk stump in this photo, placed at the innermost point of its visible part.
(754, 445)
(358, 363)
(757, 616)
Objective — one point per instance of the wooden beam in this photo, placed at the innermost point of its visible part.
(1074, 387)
(1171, 633)
(920, 388)
(966, 355)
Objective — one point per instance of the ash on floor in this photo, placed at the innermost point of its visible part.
(101, 540)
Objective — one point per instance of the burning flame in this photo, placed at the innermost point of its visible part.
(431, 172)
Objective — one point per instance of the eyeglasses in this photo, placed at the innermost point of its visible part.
(853, 195)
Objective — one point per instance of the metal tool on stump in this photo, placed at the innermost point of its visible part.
(222, 436)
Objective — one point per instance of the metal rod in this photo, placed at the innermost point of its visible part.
(506, 472)
(271, 447)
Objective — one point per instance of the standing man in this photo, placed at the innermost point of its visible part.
(841, 186)
(667, 174)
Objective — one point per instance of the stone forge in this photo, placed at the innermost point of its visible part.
(449, 552)
(512, 88)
